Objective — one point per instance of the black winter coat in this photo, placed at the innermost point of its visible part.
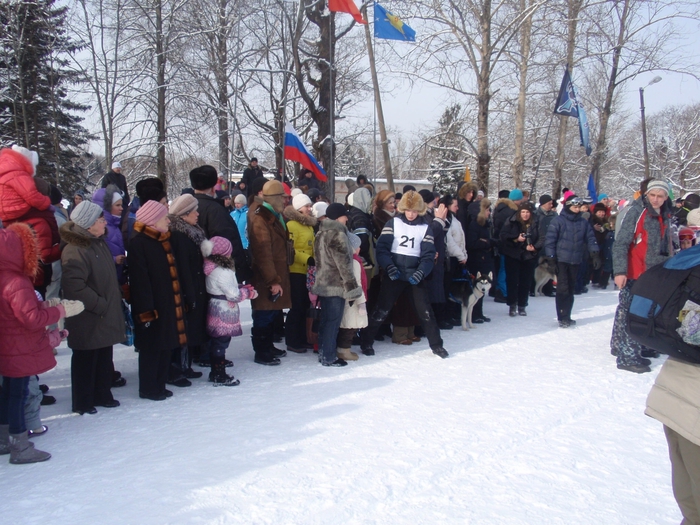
(216, 221)
(249, 175)
(360, 223)
(436, 286)
(156, 302)
(480, 248)
(504, 210)
(544, 219)
(511, 247)
(569, 237)
(190, 271)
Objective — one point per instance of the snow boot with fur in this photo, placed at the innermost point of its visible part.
(218, 374)
(347, 354)
(22, 451)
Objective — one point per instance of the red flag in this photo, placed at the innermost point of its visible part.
(346, 6)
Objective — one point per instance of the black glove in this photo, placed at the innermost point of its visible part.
(556, 266)
(597, 262)
(311, 262)
(393, 272)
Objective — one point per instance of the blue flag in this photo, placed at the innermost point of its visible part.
(568, 105)
(591, 189)
(390, 26)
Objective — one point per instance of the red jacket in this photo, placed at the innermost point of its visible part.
(25, 348)
(18, 192)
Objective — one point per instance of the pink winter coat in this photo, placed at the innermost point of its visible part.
(25, 348)
(18, 193)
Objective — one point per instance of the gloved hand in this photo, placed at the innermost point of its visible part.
(72, 307)
(556, 266)
(393, 272)
(49, 303)
(416, 277)
(597, 262)
(311, 261)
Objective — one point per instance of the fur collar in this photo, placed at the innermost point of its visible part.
(507, 202)
(73, 234)
(30, 248)
(293, 215)
(194, 233)
(214, 261)
(140, 227)
(330, 224)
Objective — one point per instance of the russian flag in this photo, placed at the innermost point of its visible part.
(295, 150)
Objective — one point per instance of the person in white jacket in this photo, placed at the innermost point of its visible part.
(223, 316)
(355, 312)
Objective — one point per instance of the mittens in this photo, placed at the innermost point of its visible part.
(72, 307)
(393, 272)
(416, 277)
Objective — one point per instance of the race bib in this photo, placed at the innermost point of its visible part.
(407, 238)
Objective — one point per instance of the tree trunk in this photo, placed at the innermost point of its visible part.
(223, 94)
(484, 99)
(161, 88)
(599, 153)
(519, 155)
(325, 143)
(574, 11)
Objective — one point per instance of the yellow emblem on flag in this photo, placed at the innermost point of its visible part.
(396, 22)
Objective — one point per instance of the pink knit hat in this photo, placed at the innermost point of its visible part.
(221, 246)
(151, 212)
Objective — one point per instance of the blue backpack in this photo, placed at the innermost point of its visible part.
(658, 297)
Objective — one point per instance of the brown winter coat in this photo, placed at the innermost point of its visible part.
(674, 400)
(268, 248)
(89, 275)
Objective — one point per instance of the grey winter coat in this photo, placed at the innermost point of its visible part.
(89, 275)
(334, 273)
(568, 238)
(654, 249)
(544, 219)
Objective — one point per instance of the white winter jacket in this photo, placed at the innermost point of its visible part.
(456, 242)
(355, 316)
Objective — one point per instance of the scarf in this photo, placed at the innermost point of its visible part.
(278, 215)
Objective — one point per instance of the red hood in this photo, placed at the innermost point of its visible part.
(19, 250)
(11, 161)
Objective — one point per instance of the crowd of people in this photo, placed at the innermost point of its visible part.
(167, 277)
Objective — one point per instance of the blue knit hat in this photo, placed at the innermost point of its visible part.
(515, 195)
(602, 196)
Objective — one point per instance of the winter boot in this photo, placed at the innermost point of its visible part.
(262, 342)
(4, 439)
(218, 374)
(513, 311)
(337, 362)
(22, 450)
(346, 354)
(522, 311)
(440, 352)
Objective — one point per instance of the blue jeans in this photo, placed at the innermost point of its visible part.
(14, 394)
(331, 316)
(264, 318)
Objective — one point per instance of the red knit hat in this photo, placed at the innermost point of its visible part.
(151, 212)
(222, 246)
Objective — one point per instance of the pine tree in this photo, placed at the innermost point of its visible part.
(447, 151)
(35, 108)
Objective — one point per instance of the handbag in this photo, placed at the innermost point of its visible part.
(128, 324)
(291, 252)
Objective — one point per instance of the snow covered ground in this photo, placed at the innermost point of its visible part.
(525, 423)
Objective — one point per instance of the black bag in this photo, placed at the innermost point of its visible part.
(658, 297)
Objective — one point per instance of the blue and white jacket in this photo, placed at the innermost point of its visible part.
(407, 245)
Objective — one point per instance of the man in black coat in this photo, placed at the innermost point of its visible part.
(114, 176)
(251, 173)
(214, 219)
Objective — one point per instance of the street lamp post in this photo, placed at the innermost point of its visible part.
(644, 125)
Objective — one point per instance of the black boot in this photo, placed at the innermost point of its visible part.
(522, 311)
(218, 374)
(513, 310)
(262, 344)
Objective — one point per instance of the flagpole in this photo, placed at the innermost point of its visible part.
(537, 169)
(378, 107)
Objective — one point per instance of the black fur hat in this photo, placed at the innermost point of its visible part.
(204, 177)
(150, 182)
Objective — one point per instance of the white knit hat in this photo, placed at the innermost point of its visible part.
(318, 210)
(299, 201)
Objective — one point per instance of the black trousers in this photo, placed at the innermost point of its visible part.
(519, 275)
(91, 373)
(390, 292)
(345, 337)
(295, 326)
(153, 370)
(566, 282)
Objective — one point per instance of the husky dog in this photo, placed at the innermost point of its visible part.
(468, 292)
(546, 270)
